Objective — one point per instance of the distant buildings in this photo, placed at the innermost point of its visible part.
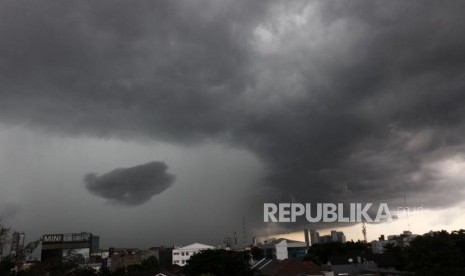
(338, 236)
(335, 236)
(281, 249)
(402, 240)
(326, 239)
(125, 257)
(280, 256)
(182, 254)
(314, 236)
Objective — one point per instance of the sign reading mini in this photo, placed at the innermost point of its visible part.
(54, 238)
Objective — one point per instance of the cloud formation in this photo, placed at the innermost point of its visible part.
(130, 186)
(342, 101)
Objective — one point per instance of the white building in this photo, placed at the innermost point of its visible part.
(182, 254)
(281, 249)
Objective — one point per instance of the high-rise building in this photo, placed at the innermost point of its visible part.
(338, 236)
(17, 246)
(326, 239)
(314, 236)
(307, 241)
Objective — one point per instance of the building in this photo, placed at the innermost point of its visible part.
(335, 236)
(32, 251)
(182, 254)
(164, 255)
(122, 257)
(68, 248)
(307, 240)
(288, 267)
(403, 239)
(17, 246)
(3, 240)
(326, 239)
(314, 236)
(338, 236)
(281, 249)
(377, 247)
(351, 265)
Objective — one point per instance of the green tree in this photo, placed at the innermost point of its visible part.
(150, 264)
(218, 262)
(435, 254)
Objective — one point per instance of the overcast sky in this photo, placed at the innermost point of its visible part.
(163, 122)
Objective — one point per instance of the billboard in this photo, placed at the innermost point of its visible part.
(52, 238)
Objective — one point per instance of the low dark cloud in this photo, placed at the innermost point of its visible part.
(130, 186)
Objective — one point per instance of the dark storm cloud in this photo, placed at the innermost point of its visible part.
(130, 186)
(343, 101)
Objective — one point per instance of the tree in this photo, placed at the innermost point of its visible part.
(6, 265)
(104, 271)
(320, 252)
(459, 238)
(218, 262)
(257, 253)
(150, 264)
(82, 271)
(435, 254)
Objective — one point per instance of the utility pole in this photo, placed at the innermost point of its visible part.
(364, 231)
(244, 236)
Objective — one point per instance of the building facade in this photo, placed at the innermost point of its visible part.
(314, 237)
(338, 236)
(68, 248)
(182, 254)
(17, 246)
(282, 249)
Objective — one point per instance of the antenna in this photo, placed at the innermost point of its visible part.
(364, 231)
(244, 236)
